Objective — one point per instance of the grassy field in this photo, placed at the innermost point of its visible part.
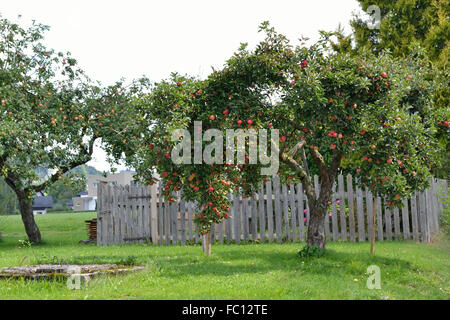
(409, 270)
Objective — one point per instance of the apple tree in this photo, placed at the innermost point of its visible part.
(51, 114)
(332, 112)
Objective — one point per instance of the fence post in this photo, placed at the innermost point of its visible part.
(154, 215)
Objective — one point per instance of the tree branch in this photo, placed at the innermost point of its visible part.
(320, 163)
(306, 179)
(66, 168)
(298, 146)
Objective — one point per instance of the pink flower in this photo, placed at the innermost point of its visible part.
(305, 211)
(338, 201)
(329, 214)
(305, 219)
(329, 202)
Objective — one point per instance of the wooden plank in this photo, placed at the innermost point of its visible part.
(369, 206)
(351, 209)
(237, 218)
(154, 214)
(435, 208)
(380, 220)
(388, 216)
(254, 226)
(99, 215)
(122, 213)
(213, 233)
(191, 231)
(161, 220)
(342, 207)
(228, 225)
(116, 215)
(396, 223)
(429, 214)
(167, 221)
(414, 217)
(293, 207)
(285, 200)
(300, 212)
(140, 221)
(307, 216)
(174, 215)
(110, 237)
(105, 217)
(221, 226)
(261, 212)
(360, 215)
(126, 213)
(146, 212)
(134, 202)
(244, 218)
(276, 191)
(405, 220)
(104, 227)
(130, 213)
(269, 206)
(434, 224)
(423, 218)
(334, 218)
(327, 224)
(437, 196)
(198, 238)
(183, 222)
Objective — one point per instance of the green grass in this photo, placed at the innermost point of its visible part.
(409, 270)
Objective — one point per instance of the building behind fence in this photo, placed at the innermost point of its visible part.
(136, 214)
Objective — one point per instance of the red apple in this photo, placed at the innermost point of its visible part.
(212, 117)
(383, 74)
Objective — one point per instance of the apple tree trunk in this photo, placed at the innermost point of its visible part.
(316, 228)
(26, 211)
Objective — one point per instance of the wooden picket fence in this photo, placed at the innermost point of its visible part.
(136, 214)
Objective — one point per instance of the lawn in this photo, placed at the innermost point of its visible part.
(409, 270)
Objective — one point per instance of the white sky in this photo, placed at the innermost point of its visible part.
(114, 39)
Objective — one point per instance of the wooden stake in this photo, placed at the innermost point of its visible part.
(206, 244)
(374, 213)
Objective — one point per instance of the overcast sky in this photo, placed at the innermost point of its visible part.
(114, 39)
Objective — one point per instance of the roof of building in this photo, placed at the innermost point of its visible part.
(42, 202)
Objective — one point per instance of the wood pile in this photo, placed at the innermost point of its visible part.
(91, 228)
